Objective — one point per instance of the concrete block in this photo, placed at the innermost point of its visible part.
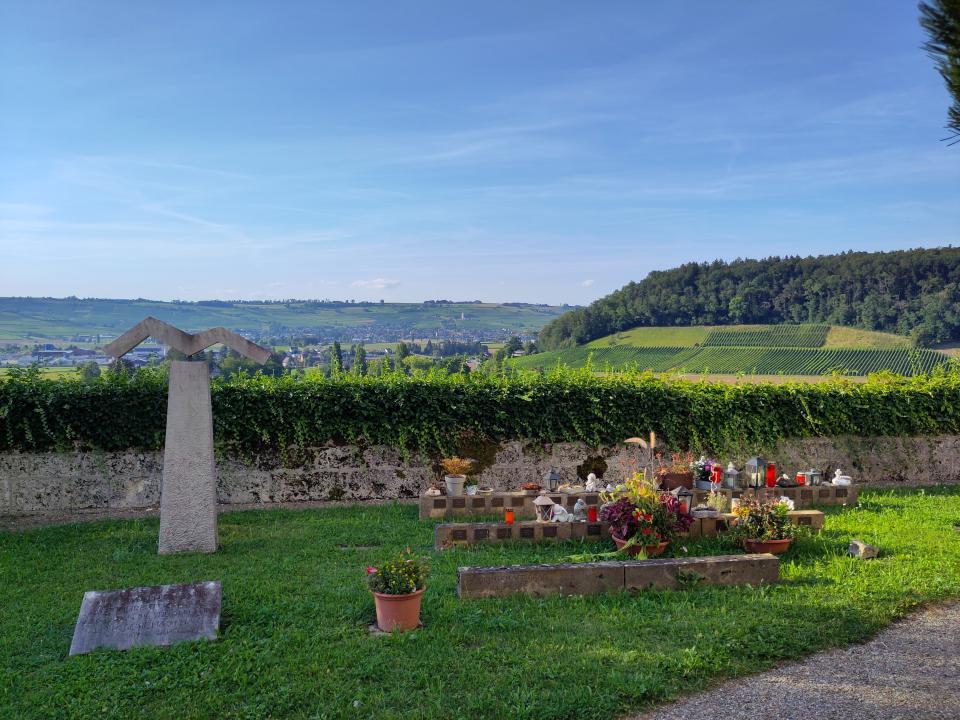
(662, 574)
(540, 580)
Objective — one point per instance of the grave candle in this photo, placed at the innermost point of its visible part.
(508, 516)
(592, 513)
(771, 475)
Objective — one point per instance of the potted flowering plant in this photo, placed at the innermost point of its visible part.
(676, 473)
(455, 473)
(702, 469)
(643, 519)
(398, 586)
(764, 526)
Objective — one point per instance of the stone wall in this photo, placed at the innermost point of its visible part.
(38, 482)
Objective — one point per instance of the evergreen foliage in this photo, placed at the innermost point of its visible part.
(911, 292)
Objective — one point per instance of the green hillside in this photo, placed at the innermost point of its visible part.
(815, 349)
(914, 293)
(57, 318)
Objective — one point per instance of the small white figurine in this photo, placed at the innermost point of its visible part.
(432, 491)
(560, 514)
(840, 479)
(610, 487)
(592, 485)
(580, 510)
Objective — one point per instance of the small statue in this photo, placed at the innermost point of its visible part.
(580, 510)
(610, 488)
(592, 485)
(560, 514)
(432, 491)
(840, 479)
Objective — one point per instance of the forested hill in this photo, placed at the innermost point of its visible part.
(910, 292)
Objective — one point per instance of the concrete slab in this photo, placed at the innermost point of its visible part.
(157, 615)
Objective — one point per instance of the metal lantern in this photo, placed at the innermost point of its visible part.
(730, 476)
(552, 479)
(544, 507)
(814, 477)
(756, 471)
(685, 498)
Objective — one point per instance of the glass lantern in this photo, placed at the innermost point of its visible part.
(544, 507)
(730, 477)
(756, 471)
(814, 477)
(685, 499)
(552, 480)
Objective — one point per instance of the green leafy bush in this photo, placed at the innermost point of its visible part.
(437, 414)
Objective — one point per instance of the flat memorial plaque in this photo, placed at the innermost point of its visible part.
(158, 615)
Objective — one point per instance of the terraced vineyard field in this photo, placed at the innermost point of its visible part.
(809, 336)
(751, 360)
(658, 359)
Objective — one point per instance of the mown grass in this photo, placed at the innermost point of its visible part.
(294, 640)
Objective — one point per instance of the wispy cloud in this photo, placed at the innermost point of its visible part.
(375, 284)
(587, 283)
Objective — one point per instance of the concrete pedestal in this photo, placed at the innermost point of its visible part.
(188, 495)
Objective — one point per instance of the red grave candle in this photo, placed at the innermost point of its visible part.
(771, 475)
(592, 513)
(508, 516)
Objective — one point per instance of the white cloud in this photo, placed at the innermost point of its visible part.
(375, 284)
(586, 283)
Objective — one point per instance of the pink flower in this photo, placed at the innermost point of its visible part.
(371, 570)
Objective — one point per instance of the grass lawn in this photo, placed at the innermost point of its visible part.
(294, 641)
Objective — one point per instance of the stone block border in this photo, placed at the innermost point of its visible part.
(432, 506)
(632, 575)
(446, 535)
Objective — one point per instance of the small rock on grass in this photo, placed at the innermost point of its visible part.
(862, 550)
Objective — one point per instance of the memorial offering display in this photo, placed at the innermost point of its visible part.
(188, 494)
(158, 615)
(398, 586)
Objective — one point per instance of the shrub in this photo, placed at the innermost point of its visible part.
(401, 576)
(436, 414)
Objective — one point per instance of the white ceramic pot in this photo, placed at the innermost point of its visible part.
(470, 489)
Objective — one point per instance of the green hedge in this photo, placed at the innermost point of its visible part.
(436, 413)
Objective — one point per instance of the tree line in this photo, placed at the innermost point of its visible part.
(910, 292)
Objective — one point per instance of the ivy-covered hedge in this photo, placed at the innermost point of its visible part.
(436, 413)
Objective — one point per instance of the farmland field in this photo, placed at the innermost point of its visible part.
(794, 350)
(817, 335)
(770, 336)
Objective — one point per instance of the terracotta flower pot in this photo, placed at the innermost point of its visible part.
(398, 612)
(767, 546)
(674, 480)
(650, 550)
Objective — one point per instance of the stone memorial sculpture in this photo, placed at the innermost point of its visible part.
(188, 493)
(592, 484)
(580, 510)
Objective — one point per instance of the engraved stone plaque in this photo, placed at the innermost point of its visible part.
(158, 615)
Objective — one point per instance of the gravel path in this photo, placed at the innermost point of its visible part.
(910, 671)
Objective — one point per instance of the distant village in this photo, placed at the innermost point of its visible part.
(299, 349)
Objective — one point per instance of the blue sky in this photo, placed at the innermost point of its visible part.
(534, 151)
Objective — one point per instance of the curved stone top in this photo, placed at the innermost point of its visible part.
(183, 341)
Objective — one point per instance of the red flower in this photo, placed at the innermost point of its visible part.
(371, 570)
(646, 531)
(648, 517)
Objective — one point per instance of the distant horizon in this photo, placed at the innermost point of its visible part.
(541, 152)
